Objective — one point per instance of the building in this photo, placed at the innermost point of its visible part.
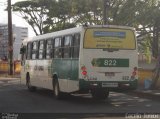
(3, 41)
(19, 34)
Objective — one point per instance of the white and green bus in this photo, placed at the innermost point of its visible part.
(87, 59)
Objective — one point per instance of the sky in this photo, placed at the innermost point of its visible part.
(16, 18)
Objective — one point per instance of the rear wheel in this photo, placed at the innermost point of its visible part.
(100, 94)
(28, 83)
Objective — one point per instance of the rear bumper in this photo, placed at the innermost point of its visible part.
(121, 85)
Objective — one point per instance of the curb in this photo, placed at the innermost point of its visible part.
(9, 80)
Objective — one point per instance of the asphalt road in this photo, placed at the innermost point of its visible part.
(15, 98)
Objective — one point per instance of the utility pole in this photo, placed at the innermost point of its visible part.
(10, 39)
(105, 6)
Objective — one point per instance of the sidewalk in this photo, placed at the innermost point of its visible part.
(8, 79)
(9, 76)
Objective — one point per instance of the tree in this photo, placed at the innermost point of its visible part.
(149, 19)
(45, 15)
(34, 12)
(51, 15)
(60, 15)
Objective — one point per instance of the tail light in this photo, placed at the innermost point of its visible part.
(84, 72)
(134, 73)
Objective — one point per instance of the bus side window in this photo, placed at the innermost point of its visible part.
(34, 50)
(29, 46)
(49, 48)
(41, 49)
(57, 48)
(76, 45)
(67, 46)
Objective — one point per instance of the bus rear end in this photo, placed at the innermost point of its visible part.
(108, 60)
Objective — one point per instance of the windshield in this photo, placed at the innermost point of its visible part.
(109, 38)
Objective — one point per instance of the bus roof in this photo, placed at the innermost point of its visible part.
(73, 30)
(113, 26)
(57, 33)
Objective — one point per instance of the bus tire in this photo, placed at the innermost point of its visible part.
(100, 94)
(28, 83)
(57, 93)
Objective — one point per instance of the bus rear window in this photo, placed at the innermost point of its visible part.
(105, 38)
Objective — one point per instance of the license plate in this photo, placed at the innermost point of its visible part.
(109, 84)
(109, 74)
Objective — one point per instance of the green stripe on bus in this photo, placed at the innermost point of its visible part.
(110, 62)
(66, 68)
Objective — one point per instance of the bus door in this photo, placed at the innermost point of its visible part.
(23, 59)
(29, 65)
(42, 66)
(75, 56)
(75, 46)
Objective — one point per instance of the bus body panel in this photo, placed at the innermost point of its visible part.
(99, 72)
(108, 64)
(69, 70)
(68, 81)
(119, 75)
(68, 85)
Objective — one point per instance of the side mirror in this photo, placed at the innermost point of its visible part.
(22, 50)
